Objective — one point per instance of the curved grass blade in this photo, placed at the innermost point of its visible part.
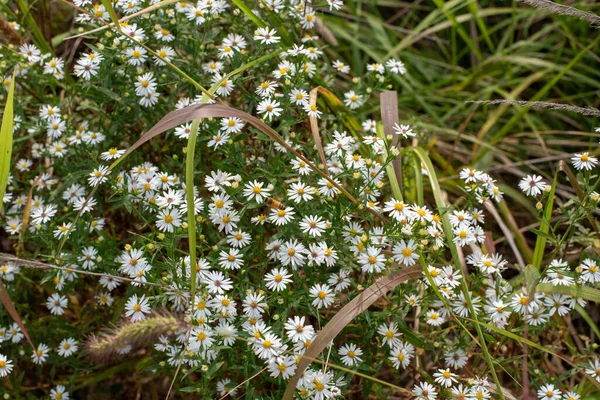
(343, 317)
(10, 308)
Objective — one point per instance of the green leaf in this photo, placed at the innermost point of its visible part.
(6, 139)
(214, 368)
(111, 11)
(38, 38)
(250, 14)
(540, 243)
(583, 292)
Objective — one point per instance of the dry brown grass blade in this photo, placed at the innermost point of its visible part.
(325, 32)
(314, 124)
(343, 317)
(9, 32)
(389, 117)
(562, 9)
(540, 105)
(10, 307)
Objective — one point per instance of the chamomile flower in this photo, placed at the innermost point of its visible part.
(278, 279)
(405, 252)
(40, 354)
(137, 308)
(584, 161)
(395, 66)
(532, 185)
(98, 175)
(255, 190)
(444, 377)
(594, 369)
(67, 347)
(269, 109)
(297, 329)
(266, 36)
(391, 336)
(352, 100)
(313, 225)
(323, 296)
(6, 366)
(548, 392)
(372, 261)
(57, 304)
(350, 354)
(281, 216)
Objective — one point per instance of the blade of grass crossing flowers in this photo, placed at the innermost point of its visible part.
(191, 215)
(583, 292)
(343, 317)
(6, 138)
(518, 338)
(205, 92)
(146, 10)
(390, 117)
(10, 308)
(38, 38)
(540, 243)
(314, 126)
(111, 12)
(250, 14)
(441, 205)
(389, 168)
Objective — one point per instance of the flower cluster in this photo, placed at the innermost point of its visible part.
(289, 227)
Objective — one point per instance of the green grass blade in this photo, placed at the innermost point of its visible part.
(191, 216)
(583, 292)
(38, 38)
(441, 205)
(6, 139)
(544, 90)
(250, 14)
(518, 338)
(389, 168)
(111, 12)
(540, 243)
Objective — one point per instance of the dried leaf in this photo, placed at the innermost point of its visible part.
(10, 307)
(343, 317)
